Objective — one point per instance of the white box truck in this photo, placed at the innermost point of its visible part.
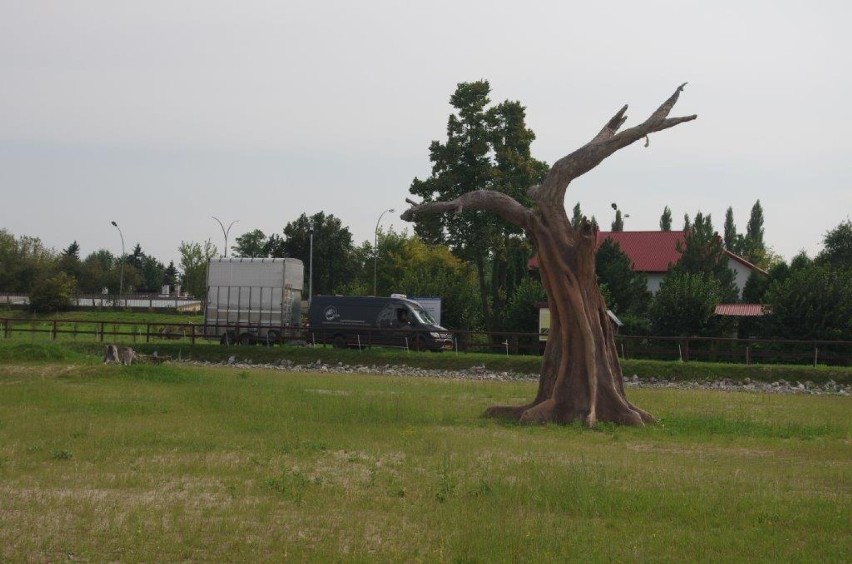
(253, 300)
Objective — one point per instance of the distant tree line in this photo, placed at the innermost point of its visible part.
(808, 298)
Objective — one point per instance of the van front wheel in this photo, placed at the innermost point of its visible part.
(339, 342)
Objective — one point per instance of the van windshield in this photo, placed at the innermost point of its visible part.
(423, 316)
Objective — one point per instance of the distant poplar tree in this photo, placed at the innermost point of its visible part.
(730, 235)
(666, 219)
(618, 224)
(577, 215)
(753, 247)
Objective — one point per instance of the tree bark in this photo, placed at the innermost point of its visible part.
(581, 377)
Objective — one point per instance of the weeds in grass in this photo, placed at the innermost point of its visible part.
(61, 454)
(291, 484)
(447, 482)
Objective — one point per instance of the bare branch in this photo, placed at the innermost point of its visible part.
(666, 107)
(605, 143)
(612, 126)
(496, 202)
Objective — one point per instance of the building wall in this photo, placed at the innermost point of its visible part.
(654, 281)
(741, 274)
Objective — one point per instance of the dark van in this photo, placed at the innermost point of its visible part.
(388, 321)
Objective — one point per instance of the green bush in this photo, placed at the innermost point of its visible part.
(53, 294)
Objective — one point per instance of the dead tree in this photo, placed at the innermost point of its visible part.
(581, 376)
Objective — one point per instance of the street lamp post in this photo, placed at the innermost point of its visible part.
(376, 252)
(121, 277)
(225, 232)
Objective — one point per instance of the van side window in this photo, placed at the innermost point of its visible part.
(403, 316)
(387, 316)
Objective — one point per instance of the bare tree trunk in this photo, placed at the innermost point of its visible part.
(580, 377)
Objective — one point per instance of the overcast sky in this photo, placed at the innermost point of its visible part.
(161, 114)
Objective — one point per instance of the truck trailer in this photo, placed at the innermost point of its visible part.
(253, 300)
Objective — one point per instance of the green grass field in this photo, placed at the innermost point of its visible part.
(177, 462)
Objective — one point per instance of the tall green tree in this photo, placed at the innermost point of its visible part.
(73, 250)
(487, 148)
(730, 234)
(813, 302)
(153, 274)
(685, 303)
(69, 261)
(171, 275)
(95, 272)
(666, 219)
(193, 262)
(333, 260)
(252, 244)
(703, 253)
(522, 313)
(812, 299)
(136, 258)
(628, 290)
(837, 246)
(753, 247)
(576, 214)
(23, 261)
(618, 223)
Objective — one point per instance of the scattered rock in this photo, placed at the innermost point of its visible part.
(481, 372)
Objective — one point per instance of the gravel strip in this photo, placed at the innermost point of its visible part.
(483, 373)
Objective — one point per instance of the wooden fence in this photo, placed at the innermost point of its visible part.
(686, 349)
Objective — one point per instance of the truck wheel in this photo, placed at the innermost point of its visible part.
(227, 339)
(272, 337)
(246, 339)
(339, 342)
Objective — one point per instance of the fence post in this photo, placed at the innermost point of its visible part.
(748, 355)
(816, 355)
(192, 333)
(101, 331)
(53, 331)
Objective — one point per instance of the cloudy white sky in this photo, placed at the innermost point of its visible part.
(161, 114)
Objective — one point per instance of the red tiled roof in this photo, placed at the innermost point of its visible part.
(649, 251)
(740, 310)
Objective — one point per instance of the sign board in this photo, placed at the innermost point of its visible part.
(543, 323)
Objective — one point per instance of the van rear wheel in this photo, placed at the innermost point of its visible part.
(339, 342)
